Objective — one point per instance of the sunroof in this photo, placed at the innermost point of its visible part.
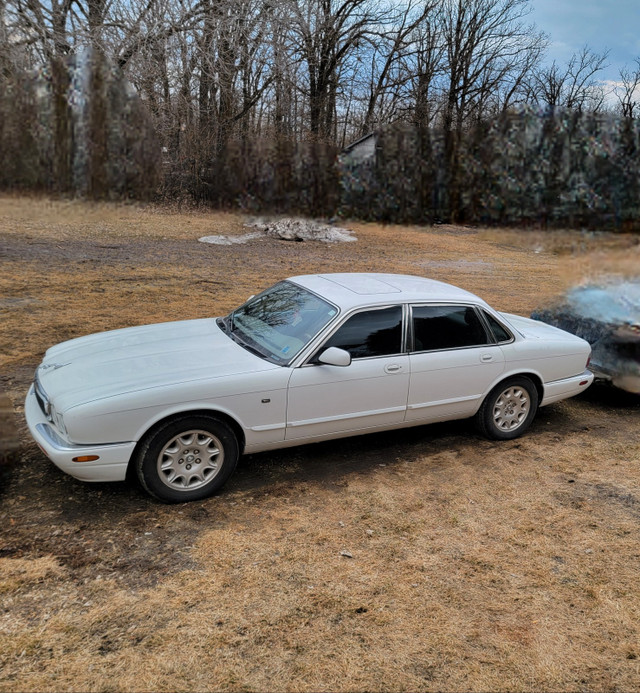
(363, 284)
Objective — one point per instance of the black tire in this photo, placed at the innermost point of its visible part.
(187, 458)
(509, 409)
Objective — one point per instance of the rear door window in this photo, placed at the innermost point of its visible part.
(447, 327)
(499, 331)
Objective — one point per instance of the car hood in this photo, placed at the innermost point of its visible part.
(138, 358)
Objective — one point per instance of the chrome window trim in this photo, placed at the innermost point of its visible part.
(484, 311)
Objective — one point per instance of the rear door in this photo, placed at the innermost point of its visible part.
(454, 359)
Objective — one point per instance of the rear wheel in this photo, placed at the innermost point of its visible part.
(509, 409)
(187, 458)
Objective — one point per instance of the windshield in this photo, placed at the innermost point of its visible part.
(278, 323)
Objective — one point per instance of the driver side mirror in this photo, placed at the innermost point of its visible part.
(335, 357)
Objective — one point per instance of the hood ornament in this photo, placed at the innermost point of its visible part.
(55, 366)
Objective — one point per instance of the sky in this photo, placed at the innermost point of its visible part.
(601, 24)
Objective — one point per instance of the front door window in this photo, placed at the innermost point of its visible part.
(370, 333)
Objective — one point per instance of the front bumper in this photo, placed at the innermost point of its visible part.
(567, 387)
(113, 458)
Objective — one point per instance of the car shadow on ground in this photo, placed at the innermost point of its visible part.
(608, 397)
(327, 464)
(34, 482)
(115, 529)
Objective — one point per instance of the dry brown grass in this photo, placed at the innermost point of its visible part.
(474, 565)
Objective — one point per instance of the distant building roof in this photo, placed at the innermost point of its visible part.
(351, 146)
(361, 150)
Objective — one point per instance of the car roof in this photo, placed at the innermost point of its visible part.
(356, 289)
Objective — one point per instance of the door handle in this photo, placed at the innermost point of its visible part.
(486, 358)
(392, 368)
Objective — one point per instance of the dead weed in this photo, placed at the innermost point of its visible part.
(425, 559)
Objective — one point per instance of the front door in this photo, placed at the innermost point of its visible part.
(369, 393)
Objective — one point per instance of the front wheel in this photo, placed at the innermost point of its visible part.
(187, 458)
(508, 409)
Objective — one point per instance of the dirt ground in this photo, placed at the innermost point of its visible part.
(473, 565)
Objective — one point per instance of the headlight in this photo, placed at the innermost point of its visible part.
(58, 420)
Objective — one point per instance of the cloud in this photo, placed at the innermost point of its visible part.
(572, 24)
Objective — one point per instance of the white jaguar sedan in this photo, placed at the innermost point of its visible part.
(312, 358)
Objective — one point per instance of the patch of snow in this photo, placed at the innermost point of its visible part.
(289, 229)
(230, 240)
(286, 229)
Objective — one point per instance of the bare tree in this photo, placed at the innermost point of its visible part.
(228, 81)
(488, 48)
(428, 53)
(326, 34)
(574, 86)
(390, 47)
(6, 48)
(627, 92)
(234, 65)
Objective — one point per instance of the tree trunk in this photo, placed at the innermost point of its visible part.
(61, 125)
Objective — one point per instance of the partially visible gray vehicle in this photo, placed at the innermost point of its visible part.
(608, 317)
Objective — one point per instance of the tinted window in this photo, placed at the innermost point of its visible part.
(446, 327)
(499, 332)
(370, 333)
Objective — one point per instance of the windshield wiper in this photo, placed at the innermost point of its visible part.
(248, 346)
(226, 323)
